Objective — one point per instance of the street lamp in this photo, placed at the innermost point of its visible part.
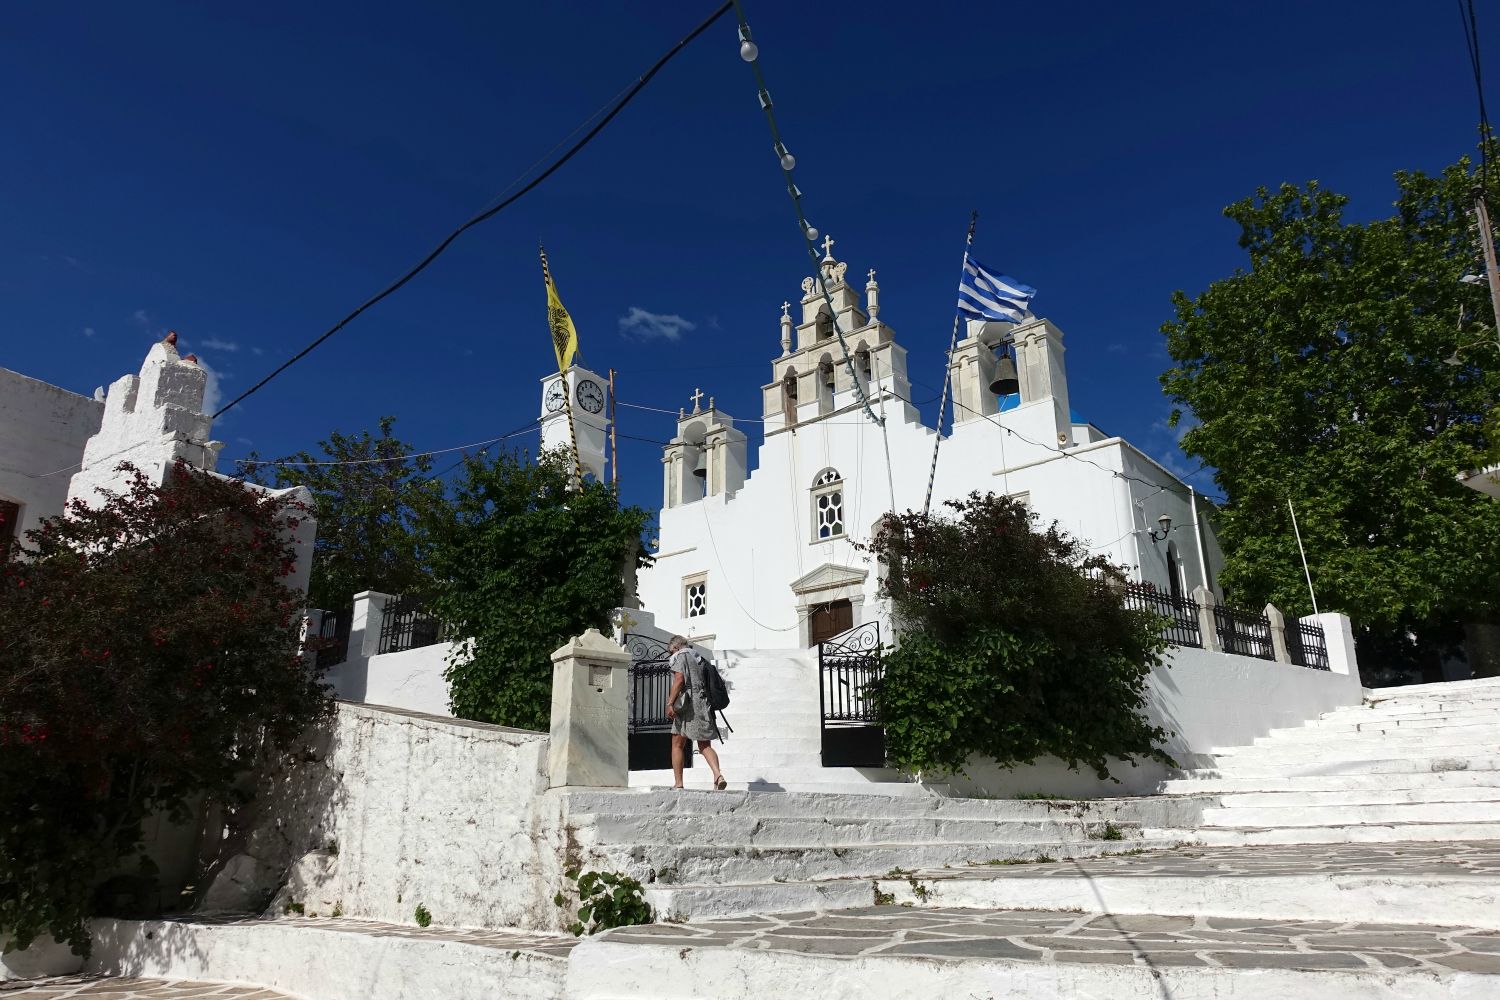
(1166, 525)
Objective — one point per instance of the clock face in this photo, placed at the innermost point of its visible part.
(555, 396)
(590, 395)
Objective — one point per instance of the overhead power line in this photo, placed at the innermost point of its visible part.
(489, 213)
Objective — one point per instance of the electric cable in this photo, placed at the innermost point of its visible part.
(489, 213)
(1471, 44)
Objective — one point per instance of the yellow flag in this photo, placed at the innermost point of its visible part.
(564, 334)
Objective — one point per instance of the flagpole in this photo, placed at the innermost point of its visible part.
(567, 389)
(614, 454)
(948, 373)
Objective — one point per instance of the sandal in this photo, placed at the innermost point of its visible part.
(720, 783)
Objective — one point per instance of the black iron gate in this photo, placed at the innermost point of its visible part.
(847, 663)
(650, 730)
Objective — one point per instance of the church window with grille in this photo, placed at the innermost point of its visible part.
(695, 596)
(828, 505)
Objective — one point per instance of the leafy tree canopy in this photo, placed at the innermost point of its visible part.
(522, 562)
(1319, 376)
(1013, 645)
(148, 655)
(370, 494)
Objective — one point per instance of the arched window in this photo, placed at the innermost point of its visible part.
(828, 505)
(1174, 574)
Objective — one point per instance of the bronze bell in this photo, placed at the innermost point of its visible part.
(701, 468)
(1005, 382)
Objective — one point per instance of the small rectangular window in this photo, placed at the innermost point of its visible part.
(695, 596)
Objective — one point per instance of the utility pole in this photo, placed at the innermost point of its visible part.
(614, 458)
(1487, 243)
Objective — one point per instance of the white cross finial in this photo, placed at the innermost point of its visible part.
(828, 242)
(784, 307)
(872, 275)
(696, 397)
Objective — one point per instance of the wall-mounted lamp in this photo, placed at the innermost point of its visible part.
(1166, 525)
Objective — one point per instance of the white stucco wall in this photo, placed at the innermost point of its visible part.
(449, 814)
(1207, 701)
(43, 430)
(411, 679)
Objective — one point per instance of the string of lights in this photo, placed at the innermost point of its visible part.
(750, 53)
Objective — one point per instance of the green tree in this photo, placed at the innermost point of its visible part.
(521, 563)
(148, 656)
(369, 494)
(1013, 645)
(1318, 376)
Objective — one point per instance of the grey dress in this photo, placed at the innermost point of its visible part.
(695, 719)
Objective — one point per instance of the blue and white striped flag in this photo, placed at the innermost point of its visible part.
(983, 294)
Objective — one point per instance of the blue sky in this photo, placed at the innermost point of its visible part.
(246, 174)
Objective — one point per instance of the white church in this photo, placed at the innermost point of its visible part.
(769, 559)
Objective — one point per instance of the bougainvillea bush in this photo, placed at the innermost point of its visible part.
(1014, 645)
(148, 658)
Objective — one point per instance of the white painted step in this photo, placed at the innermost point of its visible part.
(1339, 722)
(717, 864)
(1231, 814)
(1356, 834)
(1477, 686)
(1159, 810)
(1362, 796)
(1210, 782)
(784, 832)
(1234, 768)
(1440, 743)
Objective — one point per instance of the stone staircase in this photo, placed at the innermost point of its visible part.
(1419, 763)
(722, 853)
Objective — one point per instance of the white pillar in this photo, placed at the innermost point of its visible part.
(590, 743)
(1279, 652)
(1338, 634)
(1208, 626)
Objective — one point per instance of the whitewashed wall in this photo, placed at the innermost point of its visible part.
(1207, 701)
(43, 429)
(396, 809)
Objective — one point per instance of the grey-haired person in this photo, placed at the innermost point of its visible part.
(691, 715)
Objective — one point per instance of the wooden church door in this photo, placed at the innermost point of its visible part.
(827, 620)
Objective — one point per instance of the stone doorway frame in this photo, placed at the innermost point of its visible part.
(829, 582)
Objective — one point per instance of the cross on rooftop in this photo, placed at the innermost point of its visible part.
(828, 242)
(696, 397)
(872, 274)
(784, 307)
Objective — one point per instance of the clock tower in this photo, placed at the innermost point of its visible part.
(588, 395)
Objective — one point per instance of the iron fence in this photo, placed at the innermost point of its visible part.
(1181, 628)
(650, 681)
(333, 648)
(1307, 645)
(407, 624)
(848, 664)
(1244, 632)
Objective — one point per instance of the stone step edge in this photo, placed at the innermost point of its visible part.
(373, 963)
(602, 968)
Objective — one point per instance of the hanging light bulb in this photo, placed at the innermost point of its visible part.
(749, 51)
(812, 233)
(788, 161)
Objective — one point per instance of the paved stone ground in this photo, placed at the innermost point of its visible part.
(99, 988)
(1441, 859)
(1052, 936)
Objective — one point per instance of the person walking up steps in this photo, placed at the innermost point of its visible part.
(690, 712)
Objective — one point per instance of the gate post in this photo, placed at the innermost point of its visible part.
(1208, 626)
(589, 745)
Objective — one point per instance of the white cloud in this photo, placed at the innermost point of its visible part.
(88, 331)
(638, 324)
(256, 350)
(215, 344)
(1117, 349)
(212, 395)
(141, 318)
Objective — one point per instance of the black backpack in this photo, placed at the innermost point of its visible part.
(713, 685)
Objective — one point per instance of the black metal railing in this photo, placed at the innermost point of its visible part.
(650, 680)
(1181, 628)
(1244, 632)
(407, 624)
(848, 664)
(333, 647)
(1307, 645)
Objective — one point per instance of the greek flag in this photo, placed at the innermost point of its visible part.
(983, 294)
